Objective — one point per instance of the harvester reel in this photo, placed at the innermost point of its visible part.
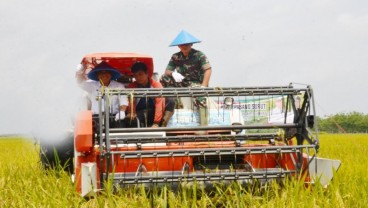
(214, 146)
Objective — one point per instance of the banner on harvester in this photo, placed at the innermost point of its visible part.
(264, 109)
(259, 110)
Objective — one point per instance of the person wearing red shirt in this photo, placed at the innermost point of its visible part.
(150, 111)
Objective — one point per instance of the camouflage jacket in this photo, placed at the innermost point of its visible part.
(191, 67)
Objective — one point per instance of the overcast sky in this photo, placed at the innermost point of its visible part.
(323, 43)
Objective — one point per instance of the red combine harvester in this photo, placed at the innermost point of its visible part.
(243, 134)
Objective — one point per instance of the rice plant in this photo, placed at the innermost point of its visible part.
(24, 183)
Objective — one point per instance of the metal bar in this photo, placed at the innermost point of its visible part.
(207, 92)
(107, 137)
(100, 126)
(223, 176)
(119, 139)
(107, 123)
(311, 95)
(204, 128)
(212, 151)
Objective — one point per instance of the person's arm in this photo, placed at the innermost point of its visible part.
(159, 105)
(123, 101)
(206, 77)
(170, 67)
(168, 72)
(206, 67)
(82, 80)
(80, 74)
(123, 107)
(130, 109)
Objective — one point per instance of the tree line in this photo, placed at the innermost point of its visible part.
(353, 122)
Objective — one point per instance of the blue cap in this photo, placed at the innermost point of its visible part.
(184, 38)
(103, 66)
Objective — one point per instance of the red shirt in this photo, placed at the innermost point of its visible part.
(159, 102)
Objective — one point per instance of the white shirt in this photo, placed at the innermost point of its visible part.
(92, 88)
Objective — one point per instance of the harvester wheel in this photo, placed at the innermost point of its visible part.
(58, 155)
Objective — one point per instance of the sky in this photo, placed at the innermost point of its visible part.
(322, 43)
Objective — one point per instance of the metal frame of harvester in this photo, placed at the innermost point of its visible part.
(230, 151)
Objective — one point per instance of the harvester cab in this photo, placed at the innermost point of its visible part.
(119, 61)
(242, 134)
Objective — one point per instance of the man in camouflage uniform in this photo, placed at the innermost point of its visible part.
(192, 67)
(187, 68)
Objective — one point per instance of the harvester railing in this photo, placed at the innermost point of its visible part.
(212, 151)
(207, 91)
(117, 138)
(202, 177)
(111, 139)
(202, 128)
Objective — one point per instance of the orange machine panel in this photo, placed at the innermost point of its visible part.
(83, 131)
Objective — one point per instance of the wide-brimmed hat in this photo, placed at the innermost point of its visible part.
(184, 38)
(103, 66)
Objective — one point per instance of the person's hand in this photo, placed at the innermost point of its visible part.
(154, 125)
(120, 116)
(131, 116)
(80, 67)
(80, 73)
(200, 102)
(177, 76)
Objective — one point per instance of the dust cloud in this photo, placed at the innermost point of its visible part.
(40, 102)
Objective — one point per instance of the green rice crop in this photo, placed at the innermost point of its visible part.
(23, 183)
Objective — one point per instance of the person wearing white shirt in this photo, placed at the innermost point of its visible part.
(103, 75)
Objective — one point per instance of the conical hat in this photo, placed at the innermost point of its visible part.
(184, 38)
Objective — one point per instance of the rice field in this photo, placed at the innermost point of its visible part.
(23, 183)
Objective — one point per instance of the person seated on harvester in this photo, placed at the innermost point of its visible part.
(188, 68)
(103, 76)
(150, 111)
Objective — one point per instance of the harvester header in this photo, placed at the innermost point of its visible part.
(232, 146)
(243, 134)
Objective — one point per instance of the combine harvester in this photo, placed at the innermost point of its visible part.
(240, 136)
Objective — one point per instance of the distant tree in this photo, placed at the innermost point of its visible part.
(353, 122)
